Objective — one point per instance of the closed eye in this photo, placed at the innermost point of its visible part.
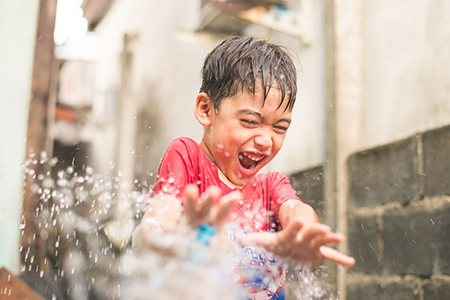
(249, 122)
(281, 128)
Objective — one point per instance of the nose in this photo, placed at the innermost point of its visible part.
(263, 142)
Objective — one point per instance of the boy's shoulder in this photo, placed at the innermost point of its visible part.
(187, 150)
(272, 177)
(185, 141)
(184, 144)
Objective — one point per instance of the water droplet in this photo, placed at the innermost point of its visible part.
(53, 161)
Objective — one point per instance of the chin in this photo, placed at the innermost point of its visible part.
(242, 180)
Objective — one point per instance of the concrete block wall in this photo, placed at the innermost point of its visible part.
(309, 186)
(399, 219)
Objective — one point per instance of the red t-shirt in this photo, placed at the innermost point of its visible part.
(185, 162)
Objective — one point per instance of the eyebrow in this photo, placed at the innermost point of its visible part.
(260, 115)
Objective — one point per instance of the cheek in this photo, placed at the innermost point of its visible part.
(278, 143)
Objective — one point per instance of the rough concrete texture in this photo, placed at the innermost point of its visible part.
(309, 187)
(385, 174)
(416, 240)
(436, 158)
(436, 290)
(399, 206)
(363, 244)
(442, 265)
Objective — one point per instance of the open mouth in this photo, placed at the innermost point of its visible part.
(249, 161)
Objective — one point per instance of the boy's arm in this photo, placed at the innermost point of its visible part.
(303, 238)
(162, 216)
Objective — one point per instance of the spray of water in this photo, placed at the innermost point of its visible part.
(75, 217)
(304, 283)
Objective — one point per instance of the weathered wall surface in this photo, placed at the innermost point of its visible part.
(398, 218)
(407, 58)
(162, 75)
(309, 186)
(398, 224)
(164, 78)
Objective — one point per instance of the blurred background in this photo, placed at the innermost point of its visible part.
(104, 86)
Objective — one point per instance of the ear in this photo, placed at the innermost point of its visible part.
(204, 108)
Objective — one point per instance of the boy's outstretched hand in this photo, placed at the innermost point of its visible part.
(209, 207)
(303, 243)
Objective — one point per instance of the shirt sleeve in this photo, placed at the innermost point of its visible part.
(177, 169)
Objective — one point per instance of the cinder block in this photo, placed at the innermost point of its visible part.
(384, 174)
(436, 156)
(436, 290)
(400, 290)
(363, 244)
(309, 187)
(442, 264)
(412, 238)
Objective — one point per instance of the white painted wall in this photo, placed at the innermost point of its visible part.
(166, 74)
(406, 82)
(17, 33)
(407, 67)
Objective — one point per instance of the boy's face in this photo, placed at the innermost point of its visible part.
(244, 136)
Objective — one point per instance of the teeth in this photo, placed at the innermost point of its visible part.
(254, 158)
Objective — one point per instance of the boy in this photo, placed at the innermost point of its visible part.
(245, 106)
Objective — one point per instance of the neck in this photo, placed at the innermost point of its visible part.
(222, 176)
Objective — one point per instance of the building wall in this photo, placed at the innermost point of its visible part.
(398, 219)
(164, 73)
(398, 225)
(17, 31)
(165, 78)
(407, 58)
(405, 84)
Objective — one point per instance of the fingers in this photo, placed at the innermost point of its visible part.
(207, 199)
(336, 257)
(327, 239)
(293, 229)
(226, 204)
(191, 192)
(198, 208)
(313, 231)
(315, 239)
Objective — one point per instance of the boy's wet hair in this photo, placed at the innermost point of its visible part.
(239, 62)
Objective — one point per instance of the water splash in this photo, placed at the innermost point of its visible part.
(74, 218)
(70, 219)
(304, 283)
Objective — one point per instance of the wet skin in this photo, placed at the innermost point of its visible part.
(243, 135)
